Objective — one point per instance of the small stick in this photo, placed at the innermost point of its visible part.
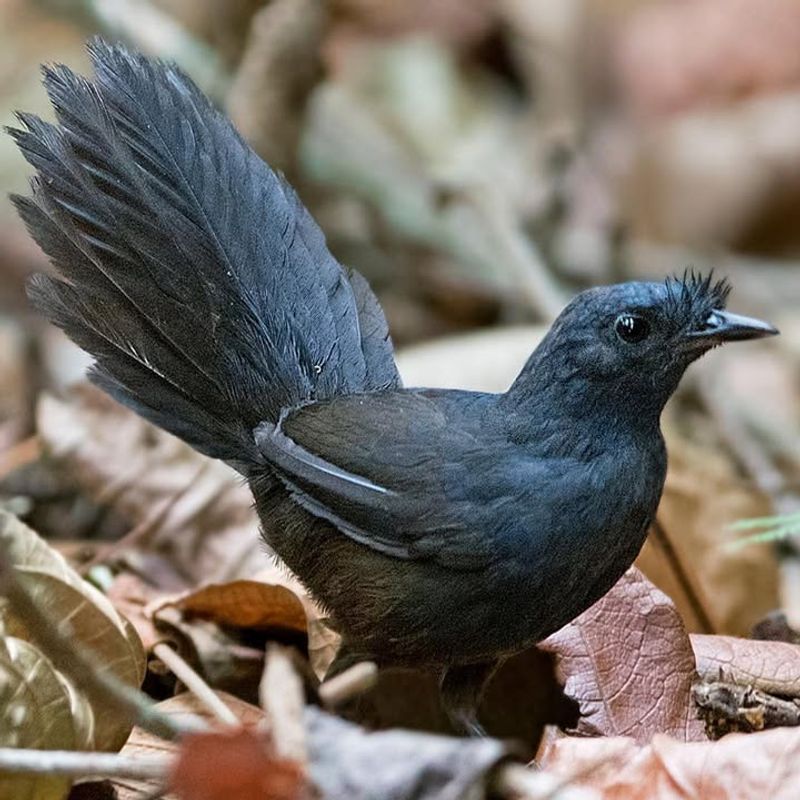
(76, 764)
(195, 684)
(283, 699)
(346, 685)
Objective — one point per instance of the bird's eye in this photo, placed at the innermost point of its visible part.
(631, 328)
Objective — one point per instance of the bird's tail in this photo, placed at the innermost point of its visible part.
(186, 267)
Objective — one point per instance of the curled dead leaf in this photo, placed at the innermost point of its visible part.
(769, 666)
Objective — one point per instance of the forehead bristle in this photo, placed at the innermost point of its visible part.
(695, 291)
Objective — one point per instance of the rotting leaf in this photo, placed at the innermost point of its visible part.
(629, 664)
(730, 707)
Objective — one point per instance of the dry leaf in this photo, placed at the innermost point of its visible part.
(770, 666)
(737, 767)
(629, 663)
(703, 496)
(91, 621)
(245, 604)
(237, 763)
(37, 713)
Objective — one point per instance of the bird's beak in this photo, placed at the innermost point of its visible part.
(722, 326)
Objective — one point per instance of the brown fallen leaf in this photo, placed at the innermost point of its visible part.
(239, 763)
(769, 666)
(738, 767)
(629, 664)
(218, 623)
(245, 604)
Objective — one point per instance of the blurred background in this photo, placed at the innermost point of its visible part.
(480, 161)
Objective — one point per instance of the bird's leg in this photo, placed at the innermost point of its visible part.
(461, 689)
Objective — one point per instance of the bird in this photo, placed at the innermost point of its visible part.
(442, 530)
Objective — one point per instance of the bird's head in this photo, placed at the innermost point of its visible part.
(632, 342)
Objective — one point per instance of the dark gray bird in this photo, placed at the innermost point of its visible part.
(441, 529)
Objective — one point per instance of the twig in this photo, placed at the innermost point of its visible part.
(282, 698)
(349, 684)
(195, 684)
(83, 765)
(681, 574)
(130, 704)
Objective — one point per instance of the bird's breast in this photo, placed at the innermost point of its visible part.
(581, 529)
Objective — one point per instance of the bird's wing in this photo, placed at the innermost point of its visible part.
(389, 470)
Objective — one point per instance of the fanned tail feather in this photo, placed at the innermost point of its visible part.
(186, 266)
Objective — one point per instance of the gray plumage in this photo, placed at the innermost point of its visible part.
(441, 529)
